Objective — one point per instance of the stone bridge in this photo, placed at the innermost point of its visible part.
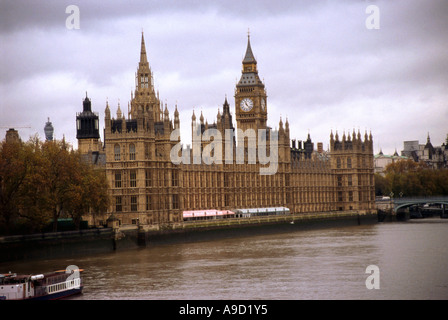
(393, 205)
(404, 202)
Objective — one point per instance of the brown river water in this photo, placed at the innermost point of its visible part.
(330, 263)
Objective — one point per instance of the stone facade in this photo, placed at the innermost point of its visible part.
(146, 184)
(433, 157)
(383, 160)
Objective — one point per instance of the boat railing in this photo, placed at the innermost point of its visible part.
(66, 285)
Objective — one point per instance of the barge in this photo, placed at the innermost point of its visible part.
(46, 286)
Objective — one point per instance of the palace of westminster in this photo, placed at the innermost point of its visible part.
(145, 184)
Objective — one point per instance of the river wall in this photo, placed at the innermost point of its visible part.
(55, 244)
(229, 228)
(94, 241)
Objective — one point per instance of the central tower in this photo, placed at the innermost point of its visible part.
(250, 95)
(145, 97)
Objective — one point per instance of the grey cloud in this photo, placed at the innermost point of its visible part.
(322, 67)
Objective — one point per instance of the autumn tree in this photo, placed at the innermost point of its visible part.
(410, 178)
(14, 165)
(87, 191)
(381, 185)
(34, 201)
(40, 181)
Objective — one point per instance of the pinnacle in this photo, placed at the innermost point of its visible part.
(143, 58)
(249, 57)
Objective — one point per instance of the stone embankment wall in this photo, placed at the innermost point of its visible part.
(91, 241)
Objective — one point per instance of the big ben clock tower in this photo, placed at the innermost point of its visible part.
(250, 95)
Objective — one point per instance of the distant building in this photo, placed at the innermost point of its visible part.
(434, 157)
(12, 135)
(382, 160)
(48, 129)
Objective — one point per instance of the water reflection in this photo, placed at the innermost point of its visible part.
(312, 264)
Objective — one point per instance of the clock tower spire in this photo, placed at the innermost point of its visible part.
(250, 95)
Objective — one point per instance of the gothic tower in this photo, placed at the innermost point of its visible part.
(250, 95)
(352, 166)
(144, 96)
(87, 129)
(250, 105)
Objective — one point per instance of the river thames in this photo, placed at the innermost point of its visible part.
(328, 263)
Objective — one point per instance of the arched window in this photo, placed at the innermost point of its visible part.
(132, 151)
(117, 152)
(133, 179)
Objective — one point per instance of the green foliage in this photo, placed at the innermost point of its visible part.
(43, 181)
(410, 178)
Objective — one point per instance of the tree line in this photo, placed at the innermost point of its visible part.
(42, 181)
(408, 178)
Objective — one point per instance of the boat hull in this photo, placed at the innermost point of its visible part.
(59, 295)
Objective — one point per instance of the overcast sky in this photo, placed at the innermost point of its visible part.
(323, 68)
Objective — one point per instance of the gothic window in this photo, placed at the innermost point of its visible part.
(175, 178)
(132, 151)
(167, 202)
(349, 180)
(118, 205)
(148, 181)
(148, 202)
(133, 203)
(117, 152)
(117, 180)
(133, 179)
(146, 150)
(338, 163)
(175, 201)
(349, 163)
(165, 179)
(339, 181)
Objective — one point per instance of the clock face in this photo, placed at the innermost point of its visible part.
(246, 104)
(263, 104)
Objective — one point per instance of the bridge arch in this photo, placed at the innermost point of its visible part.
(407, 202)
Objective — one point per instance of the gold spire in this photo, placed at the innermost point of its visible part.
(143, 58)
